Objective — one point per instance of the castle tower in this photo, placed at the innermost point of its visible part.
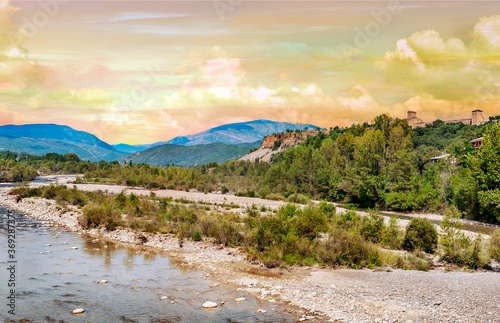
(477, 117)
(411, 114)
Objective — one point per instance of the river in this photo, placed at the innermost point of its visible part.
(58, 271)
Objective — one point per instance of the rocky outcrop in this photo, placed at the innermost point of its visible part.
(275, 143)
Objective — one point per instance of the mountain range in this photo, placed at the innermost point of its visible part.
(231, 134)
(40, 139)
(218, 144)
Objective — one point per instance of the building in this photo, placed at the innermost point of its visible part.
(477, 142)
(477, 118)
(414, 121)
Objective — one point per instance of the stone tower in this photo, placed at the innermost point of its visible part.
(477, 117)
(411, 114)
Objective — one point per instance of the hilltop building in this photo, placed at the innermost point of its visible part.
(477, 118)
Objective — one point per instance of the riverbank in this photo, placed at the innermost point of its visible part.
(343, 295)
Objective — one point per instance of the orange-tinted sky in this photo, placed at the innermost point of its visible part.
(144, 71)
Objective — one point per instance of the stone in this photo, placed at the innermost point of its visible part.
(78, 311)
(164, 297)
(74, 248)
(241, 299)
(260, 310)
(103, 281)
(209, 304)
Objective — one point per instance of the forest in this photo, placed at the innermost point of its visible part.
(381, 165)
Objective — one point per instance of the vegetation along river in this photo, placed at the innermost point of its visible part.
(57, 272)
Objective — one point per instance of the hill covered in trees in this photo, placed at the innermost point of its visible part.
(385, 164)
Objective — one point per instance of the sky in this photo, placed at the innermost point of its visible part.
(143, 71)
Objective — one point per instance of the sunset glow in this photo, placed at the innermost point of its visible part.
(145, 71)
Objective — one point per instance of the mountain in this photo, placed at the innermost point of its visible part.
(40, 139)
(236, 133)
(187, 156)
(129, 149)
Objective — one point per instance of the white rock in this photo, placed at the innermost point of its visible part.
(260, 310)
(78, 311)
(209, 304)
(164, 297)
(103, 281)
(74, 248)
(241, 299)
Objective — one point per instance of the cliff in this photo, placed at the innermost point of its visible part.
(275, 143)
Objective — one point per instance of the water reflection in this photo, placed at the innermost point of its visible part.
(51, 285)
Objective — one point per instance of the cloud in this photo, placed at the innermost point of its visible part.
(445, 68)
(487, 34)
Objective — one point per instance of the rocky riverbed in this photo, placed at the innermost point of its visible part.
(322, 294)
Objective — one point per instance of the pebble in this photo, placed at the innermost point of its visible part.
(260, 310)
(48, 251)
(78, 311)
(241, 299)
(209, 304)
(103, 281)
(172, 302)
(164, 297)
(74, 248)
(48, 245)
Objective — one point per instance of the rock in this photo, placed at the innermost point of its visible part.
(103, 281)
(48, 251)
(241, 299)
(260, 310)
(164, 297)
(209, 304)
(74, 248)
(48, 245)
(78, 311)
(172, 302)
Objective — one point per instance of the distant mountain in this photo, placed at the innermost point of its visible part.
(236, 133)
(40, 139)
(187, 156)
(130, 148)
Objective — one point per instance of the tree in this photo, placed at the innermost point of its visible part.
(486, 170)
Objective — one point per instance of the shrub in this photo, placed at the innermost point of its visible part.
(298, 198)
(372, 227)
(391, 236)
(345, 248)
(458, 248)
(99, 215)
(494, 247)
(327, 208)
(275, 197)
(309, 222)
(197, 236)
(224, 189)
(264, 191)
(420, 235)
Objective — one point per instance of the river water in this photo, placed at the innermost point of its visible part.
(49, 286)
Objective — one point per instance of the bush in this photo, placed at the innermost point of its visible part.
(494, 247)
(99, 215)
(197, 236)
(275, 197)
(264, 191)
(458, 248)
(345, 248)
(298, 198)
(420, 235)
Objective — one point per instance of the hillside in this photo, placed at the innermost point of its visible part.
(187, 156)
(40, 139)
(273, 144)
(236, 133)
